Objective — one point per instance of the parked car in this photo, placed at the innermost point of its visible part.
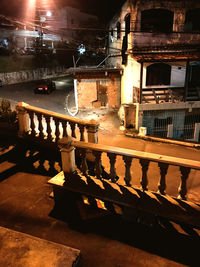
(1, 84)
(45, 86)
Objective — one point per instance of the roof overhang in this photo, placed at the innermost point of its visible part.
(96, 72)
(166, 54)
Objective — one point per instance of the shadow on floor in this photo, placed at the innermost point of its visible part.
(32, 213)
(27, 158)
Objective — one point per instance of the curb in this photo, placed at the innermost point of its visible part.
(163, 140)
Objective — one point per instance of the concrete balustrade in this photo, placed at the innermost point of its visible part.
(128, 155)
(51, 126)
(117, 193)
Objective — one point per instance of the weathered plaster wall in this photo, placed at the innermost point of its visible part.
(30, 75)
(131, 71)
(135, 7)
(130, 79)
(178, 75)
(115, 45)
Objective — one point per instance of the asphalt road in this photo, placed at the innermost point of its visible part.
(55, 101)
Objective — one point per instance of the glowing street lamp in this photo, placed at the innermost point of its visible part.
(48, 14)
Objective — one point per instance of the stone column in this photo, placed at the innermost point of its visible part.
(92, 131)
(23, 119)
(170, 131)
(67, 156)
(179, 20)
(196, 132)
(126, 112)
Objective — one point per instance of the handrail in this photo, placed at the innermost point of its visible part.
(58, 115)
(51, 126)
(139, 154)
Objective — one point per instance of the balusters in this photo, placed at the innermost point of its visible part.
(31, 114)
(144, 181)
(163, 172)
(73, 125)
(81, 128)
(84, 166)
(57, 132)
(40, 126)
(98, 168)
(64, 125)
(112, 159)
(127, 178)
(49, 135)
(183, 186)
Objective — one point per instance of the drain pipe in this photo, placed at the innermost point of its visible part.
(110, 55)
(76, 100)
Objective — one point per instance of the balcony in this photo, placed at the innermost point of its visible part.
(155, 39)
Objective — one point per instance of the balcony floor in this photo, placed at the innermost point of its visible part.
(25, 206)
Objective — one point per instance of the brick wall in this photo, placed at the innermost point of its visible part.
(91, 92)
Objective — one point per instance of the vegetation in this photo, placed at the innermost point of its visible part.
(6, 114)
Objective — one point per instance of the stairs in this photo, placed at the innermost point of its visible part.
(19, 249)
(193, 94)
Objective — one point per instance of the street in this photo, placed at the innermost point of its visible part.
(55, 101)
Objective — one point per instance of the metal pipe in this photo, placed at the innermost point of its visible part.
(76, 100)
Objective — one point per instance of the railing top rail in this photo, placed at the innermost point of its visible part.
(57, 115)
(139, 154)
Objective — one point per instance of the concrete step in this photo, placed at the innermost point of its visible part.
(19, 249)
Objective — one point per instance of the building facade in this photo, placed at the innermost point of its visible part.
(157, 43)
(52, 25)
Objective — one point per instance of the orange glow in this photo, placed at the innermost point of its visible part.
(31, 5)
(30, 10)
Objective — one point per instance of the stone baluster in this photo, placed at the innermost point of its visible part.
(57, 131)
(144, 181)
(127, 178)
(31, 114)
(163, 172)
(98, 168)
(73, 125)
(84, 166)
(40, 126)
(81, 128)
(48, 121)
(23, 119)
(67, 156)
(183, 186)
(112, 159)
(64, 125)
(92, 132)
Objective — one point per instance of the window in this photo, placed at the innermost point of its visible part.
(127, 23)
(158, 74)
(112, 35)
(118, 30)
(194, 75)
(157, 20)
(192, 21)
(124, 49)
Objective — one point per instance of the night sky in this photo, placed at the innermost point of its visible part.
(103, 8)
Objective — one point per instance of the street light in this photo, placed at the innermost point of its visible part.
(48, 14)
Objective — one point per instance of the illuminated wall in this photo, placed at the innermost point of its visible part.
(130, 80)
